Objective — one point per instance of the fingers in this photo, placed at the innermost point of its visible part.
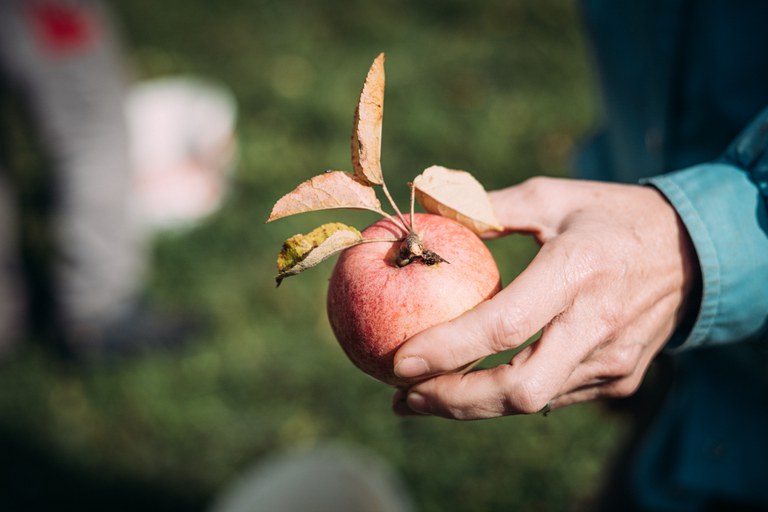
(504, 322)
(603, 387)
(524, 386)
(568, 365)
(616, 369)
(498, 391)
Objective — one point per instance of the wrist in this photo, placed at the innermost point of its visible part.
(724, 215)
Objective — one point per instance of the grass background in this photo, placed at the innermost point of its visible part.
(501, 88)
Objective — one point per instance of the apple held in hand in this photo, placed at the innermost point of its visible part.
(402, 274)
(374, 304)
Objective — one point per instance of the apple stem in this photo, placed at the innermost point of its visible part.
(398, 222)
(408, 226)
(369, 240)
(413, 201)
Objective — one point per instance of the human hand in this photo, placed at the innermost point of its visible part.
(607, 289)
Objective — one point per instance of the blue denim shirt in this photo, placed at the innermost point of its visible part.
(685, 96)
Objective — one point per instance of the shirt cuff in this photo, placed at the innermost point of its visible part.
(726, 218)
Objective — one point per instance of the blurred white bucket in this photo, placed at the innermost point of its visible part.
(183, 149)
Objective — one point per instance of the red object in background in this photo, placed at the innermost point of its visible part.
(62, 27)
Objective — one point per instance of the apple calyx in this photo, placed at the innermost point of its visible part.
(412, 249)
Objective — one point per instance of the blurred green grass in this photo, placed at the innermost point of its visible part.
(500, 88)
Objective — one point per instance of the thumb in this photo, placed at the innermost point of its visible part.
(503, 322)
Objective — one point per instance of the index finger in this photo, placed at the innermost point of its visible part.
(504, 322)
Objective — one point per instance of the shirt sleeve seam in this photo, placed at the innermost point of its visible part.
(708, 262)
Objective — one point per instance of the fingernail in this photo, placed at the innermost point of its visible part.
(417, 403)
(411, 367)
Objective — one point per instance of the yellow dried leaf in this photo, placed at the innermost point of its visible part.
(334, 189)
(301, 252)
(366, 132)
(457, 195)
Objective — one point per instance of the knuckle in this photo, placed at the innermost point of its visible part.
(611, 326)
(587, 261)
(524, 398)
(588, 258)
(625, 387)
(580, 262)
(507, 329)
(623, 361)
(536, 184)
(537, 189)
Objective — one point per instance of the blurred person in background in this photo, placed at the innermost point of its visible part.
(673, 269)
(124, 161)
(62, 66)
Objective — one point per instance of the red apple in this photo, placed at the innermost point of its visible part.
(374, 304)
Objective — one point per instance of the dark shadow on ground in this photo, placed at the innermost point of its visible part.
(33, 479)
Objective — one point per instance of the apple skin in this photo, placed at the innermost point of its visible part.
(374, 305)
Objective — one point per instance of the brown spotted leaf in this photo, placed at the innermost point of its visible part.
(301, 252)
(456, 195)
(366, 132)
(334, 189)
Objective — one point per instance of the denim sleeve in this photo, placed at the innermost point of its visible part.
(723, 206)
